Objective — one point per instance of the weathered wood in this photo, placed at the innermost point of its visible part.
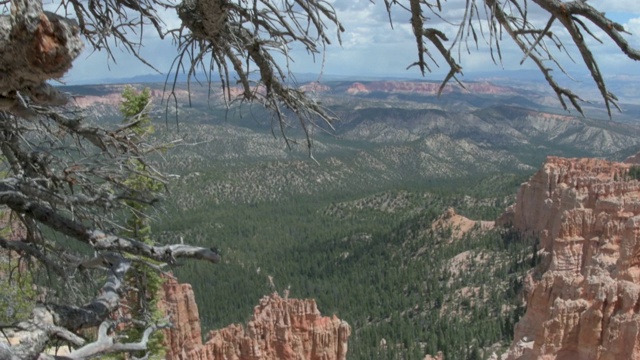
(35, 46)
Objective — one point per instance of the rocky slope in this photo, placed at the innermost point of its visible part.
(459, 225)
(583, 298)
(93, 95)
(492, 127)
(410, 87)
(111, 95)
(280, 328)
(386, 113)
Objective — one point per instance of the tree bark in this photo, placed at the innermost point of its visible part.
(36, 46)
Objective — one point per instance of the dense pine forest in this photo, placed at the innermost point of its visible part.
(385, 271)
(352, 225)
(279, 148)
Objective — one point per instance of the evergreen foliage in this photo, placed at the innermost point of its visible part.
(42, 140)
(385, 271)
(17, 293)
(358, 241)
(135, 108)
(634, 172)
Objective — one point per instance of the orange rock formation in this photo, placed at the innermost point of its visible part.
(280, 328)
(425, 88)
(583, 299)
(178, 302)
(459, 224)
(114, 97)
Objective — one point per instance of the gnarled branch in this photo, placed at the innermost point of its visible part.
(512, 16)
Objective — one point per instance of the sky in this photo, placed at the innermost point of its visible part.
(371, 48)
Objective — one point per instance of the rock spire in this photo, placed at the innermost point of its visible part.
(280, 328)
(583, 299)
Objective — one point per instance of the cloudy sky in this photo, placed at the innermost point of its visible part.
(370, 47)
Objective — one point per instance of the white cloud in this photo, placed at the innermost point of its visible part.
(625, 6)
(633, 26)
(371, 47)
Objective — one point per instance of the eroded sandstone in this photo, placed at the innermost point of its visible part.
(583, 298)
(458, 224)
(280, 328)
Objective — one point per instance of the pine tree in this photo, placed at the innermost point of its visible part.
(135, 110)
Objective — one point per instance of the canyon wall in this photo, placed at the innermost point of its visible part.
(280, 328)
(583, 298)
(178, 302)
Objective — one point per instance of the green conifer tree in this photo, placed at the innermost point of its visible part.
(135, 110)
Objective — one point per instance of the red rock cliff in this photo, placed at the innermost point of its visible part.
(178, 302)
(583, 299)
(280, 328)
(425, 88)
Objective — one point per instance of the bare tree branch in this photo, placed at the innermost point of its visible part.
(55, 321)
(105, 344)
(248, 38)
(513, 17)
(63, 174)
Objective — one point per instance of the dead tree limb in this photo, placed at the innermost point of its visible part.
(577, 17)
(60, 175)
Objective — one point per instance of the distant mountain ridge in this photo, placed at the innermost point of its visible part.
(355, 230)
(391, 128)
(429, 88)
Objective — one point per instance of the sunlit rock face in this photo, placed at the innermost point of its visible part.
(178, 302)
(583, 298)
(280, 328)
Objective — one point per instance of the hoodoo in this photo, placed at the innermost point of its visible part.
(583, 298)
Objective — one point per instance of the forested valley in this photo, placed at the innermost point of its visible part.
(279, 142)
(353, 225)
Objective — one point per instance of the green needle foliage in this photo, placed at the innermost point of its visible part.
(135, 109)
(634, 172)
(17, 294)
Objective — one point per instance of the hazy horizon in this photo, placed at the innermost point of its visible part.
(371, 48)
